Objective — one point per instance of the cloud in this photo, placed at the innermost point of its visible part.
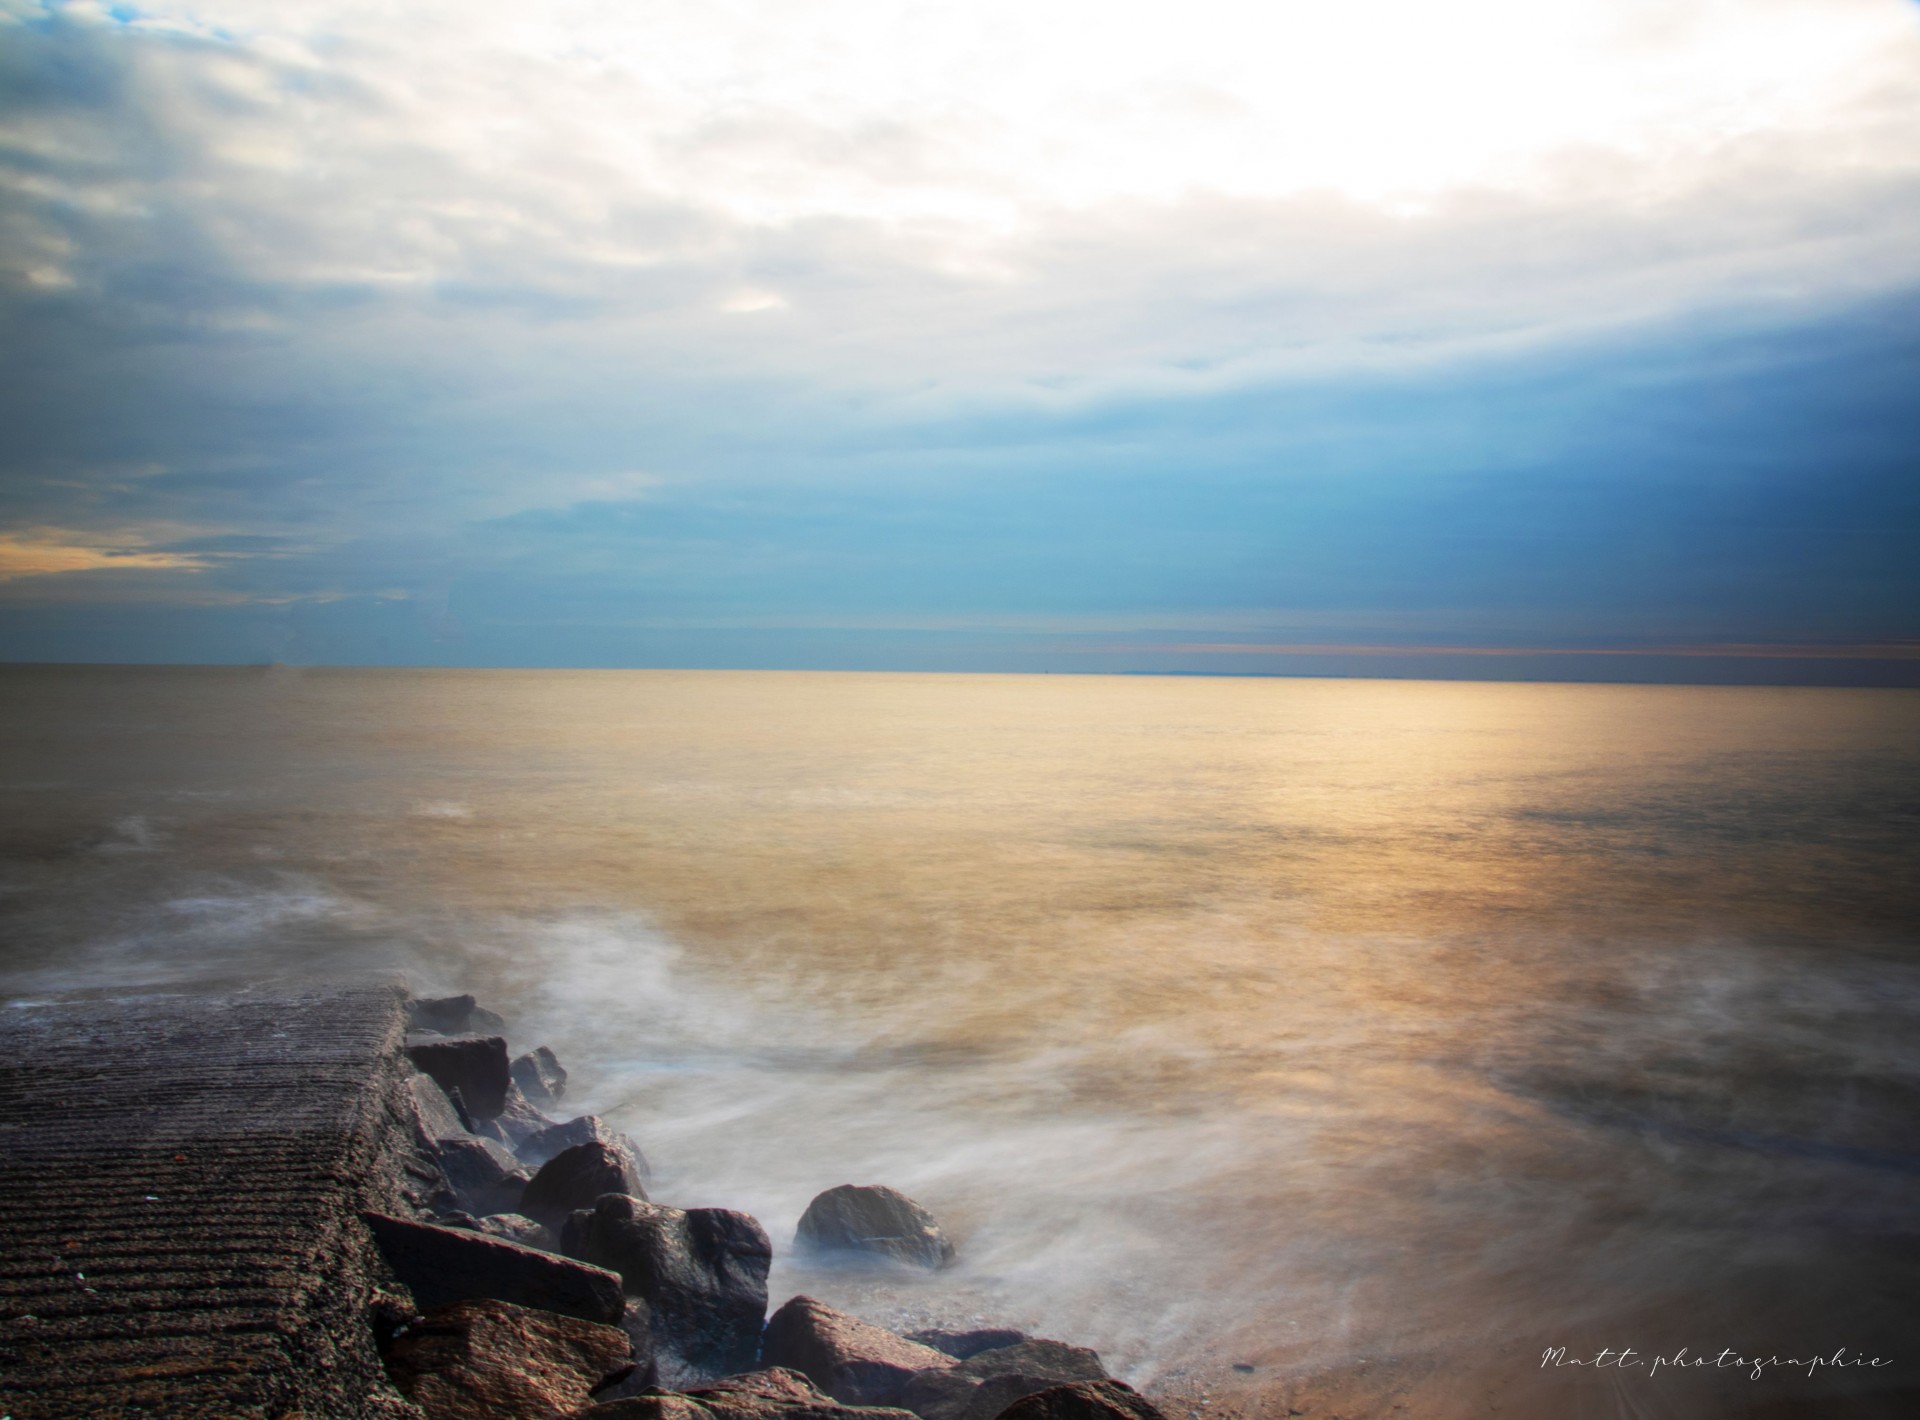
(54, 552)
(841, 314)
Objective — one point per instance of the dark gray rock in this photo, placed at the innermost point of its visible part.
(517, 1228)
(853, 1361)
(446, 1265)
(1036, 1358)
(859, 1220)
(772, 1393)
(700, 1274)
(962, 1344)
(991, 1396)
(485, 1178)
(435, 1116)
(1084, 1400)
(576, 1178)
(537, 1149)
(540, 1077)
(980, 1387)
(475, 1065)
(453, 1015)
(482, 1360)
(517, 1121)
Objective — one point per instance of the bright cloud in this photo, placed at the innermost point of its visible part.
(48, 552)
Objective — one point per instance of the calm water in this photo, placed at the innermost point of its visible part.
(1372, 1035)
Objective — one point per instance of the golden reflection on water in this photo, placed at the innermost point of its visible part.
(1287, 1020)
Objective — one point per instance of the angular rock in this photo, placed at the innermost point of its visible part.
(853, 1361)
(1036, 1358)
(963, 1399)
(516, 1228)
(453, 1015)
(980, 1387)
(936, 1395)
(540, 1077)
(576, 1178)
(775, 1383)
(475, 1065)
(1084, 1400)
(435, 1116)
(700, 1274)
(522, 1119)
(483, 1360)
(872, 1220)
(770, 1394)
(963, 1344)
(538, 1148)
(484, 1176)
(446, 1265)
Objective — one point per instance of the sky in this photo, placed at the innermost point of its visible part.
(1569, 339)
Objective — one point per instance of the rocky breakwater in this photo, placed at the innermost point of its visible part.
(532, 1277)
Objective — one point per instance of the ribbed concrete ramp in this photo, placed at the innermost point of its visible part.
(180, 1183)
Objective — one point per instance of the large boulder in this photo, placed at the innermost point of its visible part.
(537, 1149)
(453, 1015)
(484, 1176)
(441, 1266)
(485, 1360)
(980, 1387)
(1084, 1400)
(861, 1220)
(576, 1178)
(770, 1394)
(700, 1275)
(962, 1344)
(540, 1077)
(475, 1065)
(853, 1361)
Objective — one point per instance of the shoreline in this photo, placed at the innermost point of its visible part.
(258, 1137)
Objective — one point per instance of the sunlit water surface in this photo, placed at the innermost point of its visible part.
(1370, 1035)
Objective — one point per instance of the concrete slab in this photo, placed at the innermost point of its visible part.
(181, 1180)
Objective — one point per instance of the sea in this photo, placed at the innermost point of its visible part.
(1305, 1046)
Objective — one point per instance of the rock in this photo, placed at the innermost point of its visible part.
(576, 1178)
(853, 1361)
(873, 1220)
(540, 1077)
(517, 1228)
(980, 1387)
(770, 1394)
(972, 1399)
(935, 1395)
(435, 1115)
(483, 1360)
(453, 1015)
(1084, 1400)
(484, 1176)
(777, 1394)
(962, 1344)
(517, 1121)
(700, 1274)
(1036, 1358)
(536, 1149)
(446, 1265)
(775, 1383)
(475, 1065)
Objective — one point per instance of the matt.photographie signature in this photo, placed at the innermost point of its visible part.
(1627, 1359)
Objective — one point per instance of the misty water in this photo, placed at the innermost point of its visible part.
(1368, 1037)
